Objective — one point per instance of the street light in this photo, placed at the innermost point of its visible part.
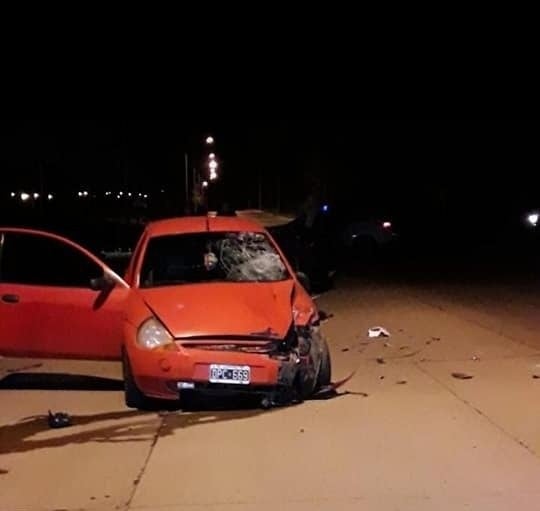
(36, 195)
(209, 140)
(205, 184)
(212, 156)
(25, 196)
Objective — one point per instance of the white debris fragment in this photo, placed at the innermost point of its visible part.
(378, 331)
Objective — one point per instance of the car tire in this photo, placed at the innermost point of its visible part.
(325, 372)
(134, 398)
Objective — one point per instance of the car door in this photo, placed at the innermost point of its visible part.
(47, 306)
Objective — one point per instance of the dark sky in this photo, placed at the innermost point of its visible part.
(410, 164)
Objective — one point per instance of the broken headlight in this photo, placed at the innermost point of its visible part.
(304, 340)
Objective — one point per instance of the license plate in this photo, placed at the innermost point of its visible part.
(229, 374)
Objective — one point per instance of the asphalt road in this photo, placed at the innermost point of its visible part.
(404, 434)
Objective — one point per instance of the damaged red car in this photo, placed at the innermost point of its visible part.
(208, 305)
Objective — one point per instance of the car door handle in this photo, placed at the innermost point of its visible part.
(10, 298)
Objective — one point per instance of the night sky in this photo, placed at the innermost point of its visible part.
(444, 166)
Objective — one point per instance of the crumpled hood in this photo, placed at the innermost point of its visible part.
(216, 309)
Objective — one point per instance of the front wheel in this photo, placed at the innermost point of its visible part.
(134, 398)
(325, 372)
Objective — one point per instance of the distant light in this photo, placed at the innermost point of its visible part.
(162, 191)
(85, 193)
(50, 196)
(36, 195)
(80, 194)
(25, 196)
(325, 208)
(13, 194)
(119, 196)
(205, 183)
(120, 193)
(145, 196)
(213, 175)
(213, 165)
(209, 140)
(212, 156)
(533, 219)
(387, 225)
(107, 193)
(140, 194)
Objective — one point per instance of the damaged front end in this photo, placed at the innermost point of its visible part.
(297, 355)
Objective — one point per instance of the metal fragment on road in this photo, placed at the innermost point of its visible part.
(462, 376)
(378, 331)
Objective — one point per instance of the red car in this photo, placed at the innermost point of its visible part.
(208, 304)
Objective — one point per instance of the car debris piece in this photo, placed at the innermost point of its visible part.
(58, 420)
(462, 376)
(378, 331)
(428, 342)
(536, 376)
(344, 349)
(380, 360)
(324, 316)
(401, 382)
(381, 377)
(435, 338)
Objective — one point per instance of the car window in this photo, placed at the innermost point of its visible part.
(211, 256)
(40, 260)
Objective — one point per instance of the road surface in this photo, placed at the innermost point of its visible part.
(404, 434)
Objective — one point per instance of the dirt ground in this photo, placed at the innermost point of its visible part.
(403, 434)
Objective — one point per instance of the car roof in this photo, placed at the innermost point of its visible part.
(192, 224)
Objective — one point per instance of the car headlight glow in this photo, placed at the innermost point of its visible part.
(532, 219)
(152, 334)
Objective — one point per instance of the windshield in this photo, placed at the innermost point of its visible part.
(210, 257)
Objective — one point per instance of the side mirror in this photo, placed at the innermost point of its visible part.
(103, 283)
(304, 280)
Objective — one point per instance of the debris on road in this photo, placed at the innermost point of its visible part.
(428, 342)
(378, 331)
(381, 377)
(475, 358)
(380, 360)
(401, 382)
(462, 376)
(329, 391)
(59, 420)
(301, 430)
(324, 316)
(344, 349)
(404, 347)
(435, 338)
(536, 376)
(353, 393)
(387, 345)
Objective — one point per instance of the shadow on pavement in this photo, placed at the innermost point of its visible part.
(58, 381)
(33, 433)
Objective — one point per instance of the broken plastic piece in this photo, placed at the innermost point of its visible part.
(59, 420)
(462, 376)
(378, 331)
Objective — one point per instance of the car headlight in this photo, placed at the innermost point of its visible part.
(152, 334)
(532, 219)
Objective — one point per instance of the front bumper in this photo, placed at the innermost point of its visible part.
(158, 373)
